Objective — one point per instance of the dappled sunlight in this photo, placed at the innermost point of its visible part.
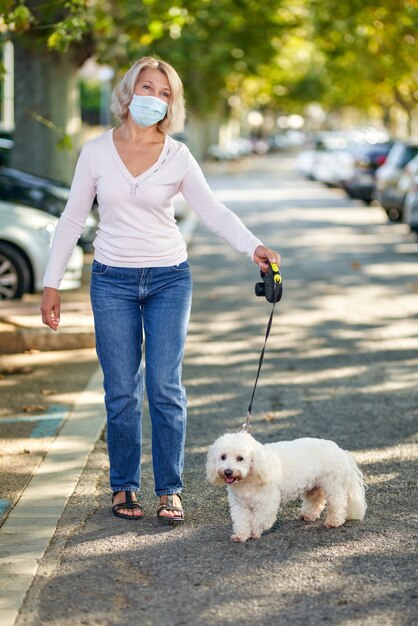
(407, 248)
(263, 194)
(196, 402)
(318, 376)
(21, 446)
(380, 479)
(202, 381)
(63, 398)
(299, 577)
(344, 337)
(394, 269)
(36, 357)
(128, 542)
(405, 452)
(62, 457)
(9, 383)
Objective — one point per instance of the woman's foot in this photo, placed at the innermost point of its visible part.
(126, 505)
(170, 510)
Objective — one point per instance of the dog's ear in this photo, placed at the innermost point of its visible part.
(211, 467)
(259, 466)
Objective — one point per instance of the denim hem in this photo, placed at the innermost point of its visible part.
(167, 492)
(133, 489)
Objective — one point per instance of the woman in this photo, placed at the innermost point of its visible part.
(141, 282)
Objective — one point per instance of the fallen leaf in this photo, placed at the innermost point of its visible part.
(34, 408)
(269, 417)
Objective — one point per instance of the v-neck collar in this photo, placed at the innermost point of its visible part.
(136, 180)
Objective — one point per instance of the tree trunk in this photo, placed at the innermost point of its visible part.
(201, 133)
(47, 108)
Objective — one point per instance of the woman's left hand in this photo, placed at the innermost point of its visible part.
(263, 255)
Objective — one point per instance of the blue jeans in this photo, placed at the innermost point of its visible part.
(132, 307)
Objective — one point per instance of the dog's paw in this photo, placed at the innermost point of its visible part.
(304, 517)
(239, 538)
(333, 523)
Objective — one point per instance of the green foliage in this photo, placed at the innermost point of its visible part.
(206, 40)
(369, 50)
(277, 54)
(16, 16)
(65, 142)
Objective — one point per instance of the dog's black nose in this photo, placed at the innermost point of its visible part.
(228, 473)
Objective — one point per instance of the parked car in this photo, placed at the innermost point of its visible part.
(44, 194)
(233, 149)
(387, 178)
(368, 157)
(25, 239)
(332, 167)
(410, 209)
(308, 162)
(6, 146)
(405, 184)
(331, 158)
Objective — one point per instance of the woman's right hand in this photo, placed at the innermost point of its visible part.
(51, 307)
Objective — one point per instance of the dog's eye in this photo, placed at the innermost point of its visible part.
(240, 458)
(223, 457)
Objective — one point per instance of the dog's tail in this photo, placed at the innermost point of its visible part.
(356, 502)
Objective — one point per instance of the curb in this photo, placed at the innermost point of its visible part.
(14, 340)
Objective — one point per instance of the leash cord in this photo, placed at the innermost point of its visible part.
(246, 426)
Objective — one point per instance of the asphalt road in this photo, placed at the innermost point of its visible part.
(341, 363)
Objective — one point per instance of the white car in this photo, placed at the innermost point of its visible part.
(25, 239)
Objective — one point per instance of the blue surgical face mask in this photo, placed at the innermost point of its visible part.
(147, 110)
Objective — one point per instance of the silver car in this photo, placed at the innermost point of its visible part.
(25, 240)
(410, 213)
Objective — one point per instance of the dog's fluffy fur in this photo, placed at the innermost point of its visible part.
(261, 477)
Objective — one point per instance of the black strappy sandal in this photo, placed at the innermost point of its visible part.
(169, 506)
(129, 503)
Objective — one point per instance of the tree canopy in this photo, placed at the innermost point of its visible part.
(282, 52)
(369, 49)
(276, 55)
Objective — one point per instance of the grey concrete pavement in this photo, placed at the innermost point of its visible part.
(341, 363)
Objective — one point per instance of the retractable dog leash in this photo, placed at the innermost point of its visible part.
(272, 289)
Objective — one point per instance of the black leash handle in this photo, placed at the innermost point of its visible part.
(276, 298)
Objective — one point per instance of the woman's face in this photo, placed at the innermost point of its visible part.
(152, 82)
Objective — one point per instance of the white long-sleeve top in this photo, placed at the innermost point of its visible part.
(137, 226)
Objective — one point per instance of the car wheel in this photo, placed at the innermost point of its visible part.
(394, 215)
(15, 278)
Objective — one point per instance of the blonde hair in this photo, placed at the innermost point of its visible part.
(124, 91)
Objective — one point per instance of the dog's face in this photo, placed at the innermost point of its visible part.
(234, 458)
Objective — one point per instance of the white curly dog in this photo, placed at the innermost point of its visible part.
(260, 478)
